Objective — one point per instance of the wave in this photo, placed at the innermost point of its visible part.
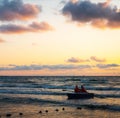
(59, 87)
(64, 93)
(55, 92)
(107, 95)
(104, 88)
(31, 92)
(103, 107)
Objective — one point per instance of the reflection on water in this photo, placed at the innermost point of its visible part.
(52, 90)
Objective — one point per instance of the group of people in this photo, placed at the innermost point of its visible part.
(82, 89)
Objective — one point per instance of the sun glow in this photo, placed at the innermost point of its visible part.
(46, 41)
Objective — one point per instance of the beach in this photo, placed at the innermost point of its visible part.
(50, 111)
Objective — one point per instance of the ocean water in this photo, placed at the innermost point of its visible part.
(52, 90)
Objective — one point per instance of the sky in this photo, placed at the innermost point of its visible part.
(60, 37)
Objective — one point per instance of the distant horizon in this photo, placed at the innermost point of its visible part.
(62, 75)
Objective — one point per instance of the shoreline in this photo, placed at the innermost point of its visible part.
(53, 111)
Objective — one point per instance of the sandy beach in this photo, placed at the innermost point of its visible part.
(50, 111)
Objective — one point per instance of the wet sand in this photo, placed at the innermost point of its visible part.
(50, 111)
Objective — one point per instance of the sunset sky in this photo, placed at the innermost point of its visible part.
(60, 37)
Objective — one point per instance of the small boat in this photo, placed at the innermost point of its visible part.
(82, 95)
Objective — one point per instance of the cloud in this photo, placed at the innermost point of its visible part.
(41, 67)
(2, 41)
(63, 2)
(104, 66)
(11, 10)
(33, 27)
(97, 59)
(41, 26)
(76, 60)
(100, 15)
(13, 67)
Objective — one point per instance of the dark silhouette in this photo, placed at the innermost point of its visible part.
(78, 90)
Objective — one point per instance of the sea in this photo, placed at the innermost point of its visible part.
(52, 90)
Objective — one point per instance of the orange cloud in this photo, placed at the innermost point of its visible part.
(1, 40)
(43, 26)
(97, 59)
(74, 1)
(17, 10)
(77, 60)
(33, 27)
(92, 58)
(106, 4)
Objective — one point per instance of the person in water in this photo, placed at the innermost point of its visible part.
(78, 90)
(83, 89)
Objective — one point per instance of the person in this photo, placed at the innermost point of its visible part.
(83, 89)
(77, 89)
